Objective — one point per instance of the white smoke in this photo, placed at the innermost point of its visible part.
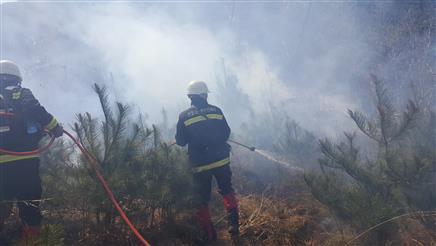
(147, 53)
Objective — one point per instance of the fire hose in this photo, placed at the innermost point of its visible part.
(242, 145)
(230, 140)
(94, 164)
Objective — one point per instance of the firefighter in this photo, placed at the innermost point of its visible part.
(22, 121)
(204, 129)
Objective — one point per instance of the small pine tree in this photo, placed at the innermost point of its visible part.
(144, 173)
(366, 191)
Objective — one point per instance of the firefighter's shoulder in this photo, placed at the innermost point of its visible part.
(188, 113)
(28, 97)
(26, 93)
(211, 109)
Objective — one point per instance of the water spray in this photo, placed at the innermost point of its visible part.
(263, 153)
(267, 155)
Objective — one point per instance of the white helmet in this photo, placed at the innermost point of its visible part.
(197, 87)
(10, 68)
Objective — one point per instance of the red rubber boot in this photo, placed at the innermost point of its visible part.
(29, 234)
(231, 205)
(205, 221)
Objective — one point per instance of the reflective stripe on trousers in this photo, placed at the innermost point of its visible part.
(216, 164)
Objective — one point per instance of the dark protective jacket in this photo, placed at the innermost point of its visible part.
(204, 128)
(23, 128)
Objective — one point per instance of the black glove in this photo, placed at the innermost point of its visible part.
(57, 131)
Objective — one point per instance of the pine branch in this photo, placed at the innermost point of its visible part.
(130, 148)
(87, 134)
(368, 128)
(106, 125)
(118, 127)
(386, 111)
(408, 119)
(104, 101)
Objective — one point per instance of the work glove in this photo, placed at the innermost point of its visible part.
(57, 131)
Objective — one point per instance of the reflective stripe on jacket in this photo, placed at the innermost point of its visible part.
(202, 118)
(11, 158)
(204, 129)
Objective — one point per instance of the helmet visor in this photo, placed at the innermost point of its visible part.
(8, 79)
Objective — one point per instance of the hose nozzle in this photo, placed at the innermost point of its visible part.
(243, 145)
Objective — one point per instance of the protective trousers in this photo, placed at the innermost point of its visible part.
(203, 186)
(20, 180)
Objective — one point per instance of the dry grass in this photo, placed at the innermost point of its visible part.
(271, 222)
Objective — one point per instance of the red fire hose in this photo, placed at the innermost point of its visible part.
(94, 165)
(108, 191)
(34, 152)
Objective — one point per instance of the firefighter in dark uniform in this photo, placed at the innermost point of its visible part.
(204, 129)
(22, 121)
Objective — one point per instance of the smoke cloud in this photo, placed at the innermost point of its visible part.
(307, 59)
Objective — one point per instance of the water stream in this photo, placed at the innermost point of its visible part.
(271, 157)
